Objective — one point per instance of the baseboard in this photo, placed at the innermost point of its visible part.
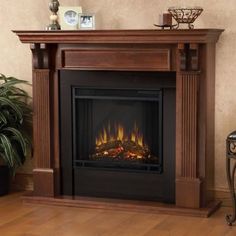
(22, 182)
(224, 196)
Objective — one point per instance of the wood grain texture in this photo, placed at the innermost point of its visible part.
(186, 124)
(20, 219)
(123, 205)
(40, 56)
(121, 36)
(22, 182)
(206, 117)
(43, 182)
(41, 118)
(194, 57)
(189, 85)
(188, 186)
(182, 57)
(123, 59)
(188, 192)
(42, 174)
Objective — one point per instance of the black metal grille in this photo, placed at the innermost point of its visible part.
(118, 166)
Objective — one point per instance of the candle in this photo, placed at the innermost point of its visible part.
(165, 19)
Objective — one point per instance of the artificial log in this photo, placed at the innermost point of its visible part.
(123, 150)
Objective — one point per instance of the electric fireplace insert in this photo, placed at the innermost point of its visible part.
(118, 129)
(117, 138)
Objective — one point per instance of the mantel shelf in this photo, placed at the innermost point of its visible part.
(120, 36)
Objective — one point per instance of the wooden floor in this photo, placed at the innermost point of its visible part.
(37, 220)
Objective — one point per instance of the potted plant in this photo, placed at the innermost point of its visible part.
(15, 115)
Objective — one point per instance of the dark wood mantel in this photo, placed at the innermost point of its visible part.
(121, 36)
(189, 53)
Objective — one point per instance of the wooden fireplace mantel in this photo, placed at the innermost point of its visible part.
(121, 36)
(189, 53)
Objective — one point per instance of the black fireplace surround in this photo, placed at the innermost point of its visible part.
(118, 134)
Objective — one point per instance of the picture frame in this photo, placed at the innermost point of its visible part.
(69, 17)
(86, 21)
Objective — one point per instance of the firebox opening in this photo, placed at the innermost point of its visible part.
(123, 129)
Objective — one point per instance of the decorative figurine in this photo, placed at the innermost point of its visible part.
(54, 7)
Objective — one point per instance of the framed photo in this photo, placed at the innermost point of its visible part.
(86, 21)
(69, 17)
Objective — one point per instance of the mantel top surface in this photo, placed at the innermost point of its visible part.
(120, 36)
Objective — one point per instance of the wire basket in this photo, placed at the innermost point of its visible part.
(185, 15)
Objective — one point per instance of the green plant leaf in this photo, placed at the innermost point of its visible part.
(7, 148)
(7, 102)
(15, 115)
(3, 77)
(3, 118)
(18, 137)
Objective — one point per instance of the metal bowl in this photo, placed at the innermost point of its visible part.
(185, 15)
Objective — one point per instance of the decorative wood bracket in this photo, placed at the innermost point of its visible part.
(40, 56)
(182, 57)
(188, 57)
(193, 57)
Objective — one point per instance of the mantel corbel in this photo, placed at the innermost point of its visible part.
(40, 53)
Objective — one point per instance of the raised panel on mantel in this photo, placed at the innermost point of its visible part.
(137, 59)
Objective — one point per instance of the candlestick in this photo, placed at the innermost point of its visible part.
(54, 7)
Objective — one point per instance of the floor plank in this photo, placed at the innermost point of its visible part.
(18, 219)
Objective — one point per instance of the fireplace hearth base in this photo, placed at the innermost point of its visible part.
(122, 205)
(189, 54)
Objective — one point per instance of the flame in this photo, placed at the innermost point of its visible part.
(119, 134)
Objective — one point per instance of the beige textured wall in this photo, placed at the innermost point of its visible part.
(17, 15)
(15, 58)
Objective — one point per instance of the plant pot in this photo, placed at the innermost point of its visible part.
(4, 180)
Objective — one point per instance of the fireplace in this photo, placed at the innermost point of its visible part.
(94, 135)
(121, 134)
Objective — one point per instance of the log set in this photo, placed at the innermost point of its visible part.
(124, 151)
